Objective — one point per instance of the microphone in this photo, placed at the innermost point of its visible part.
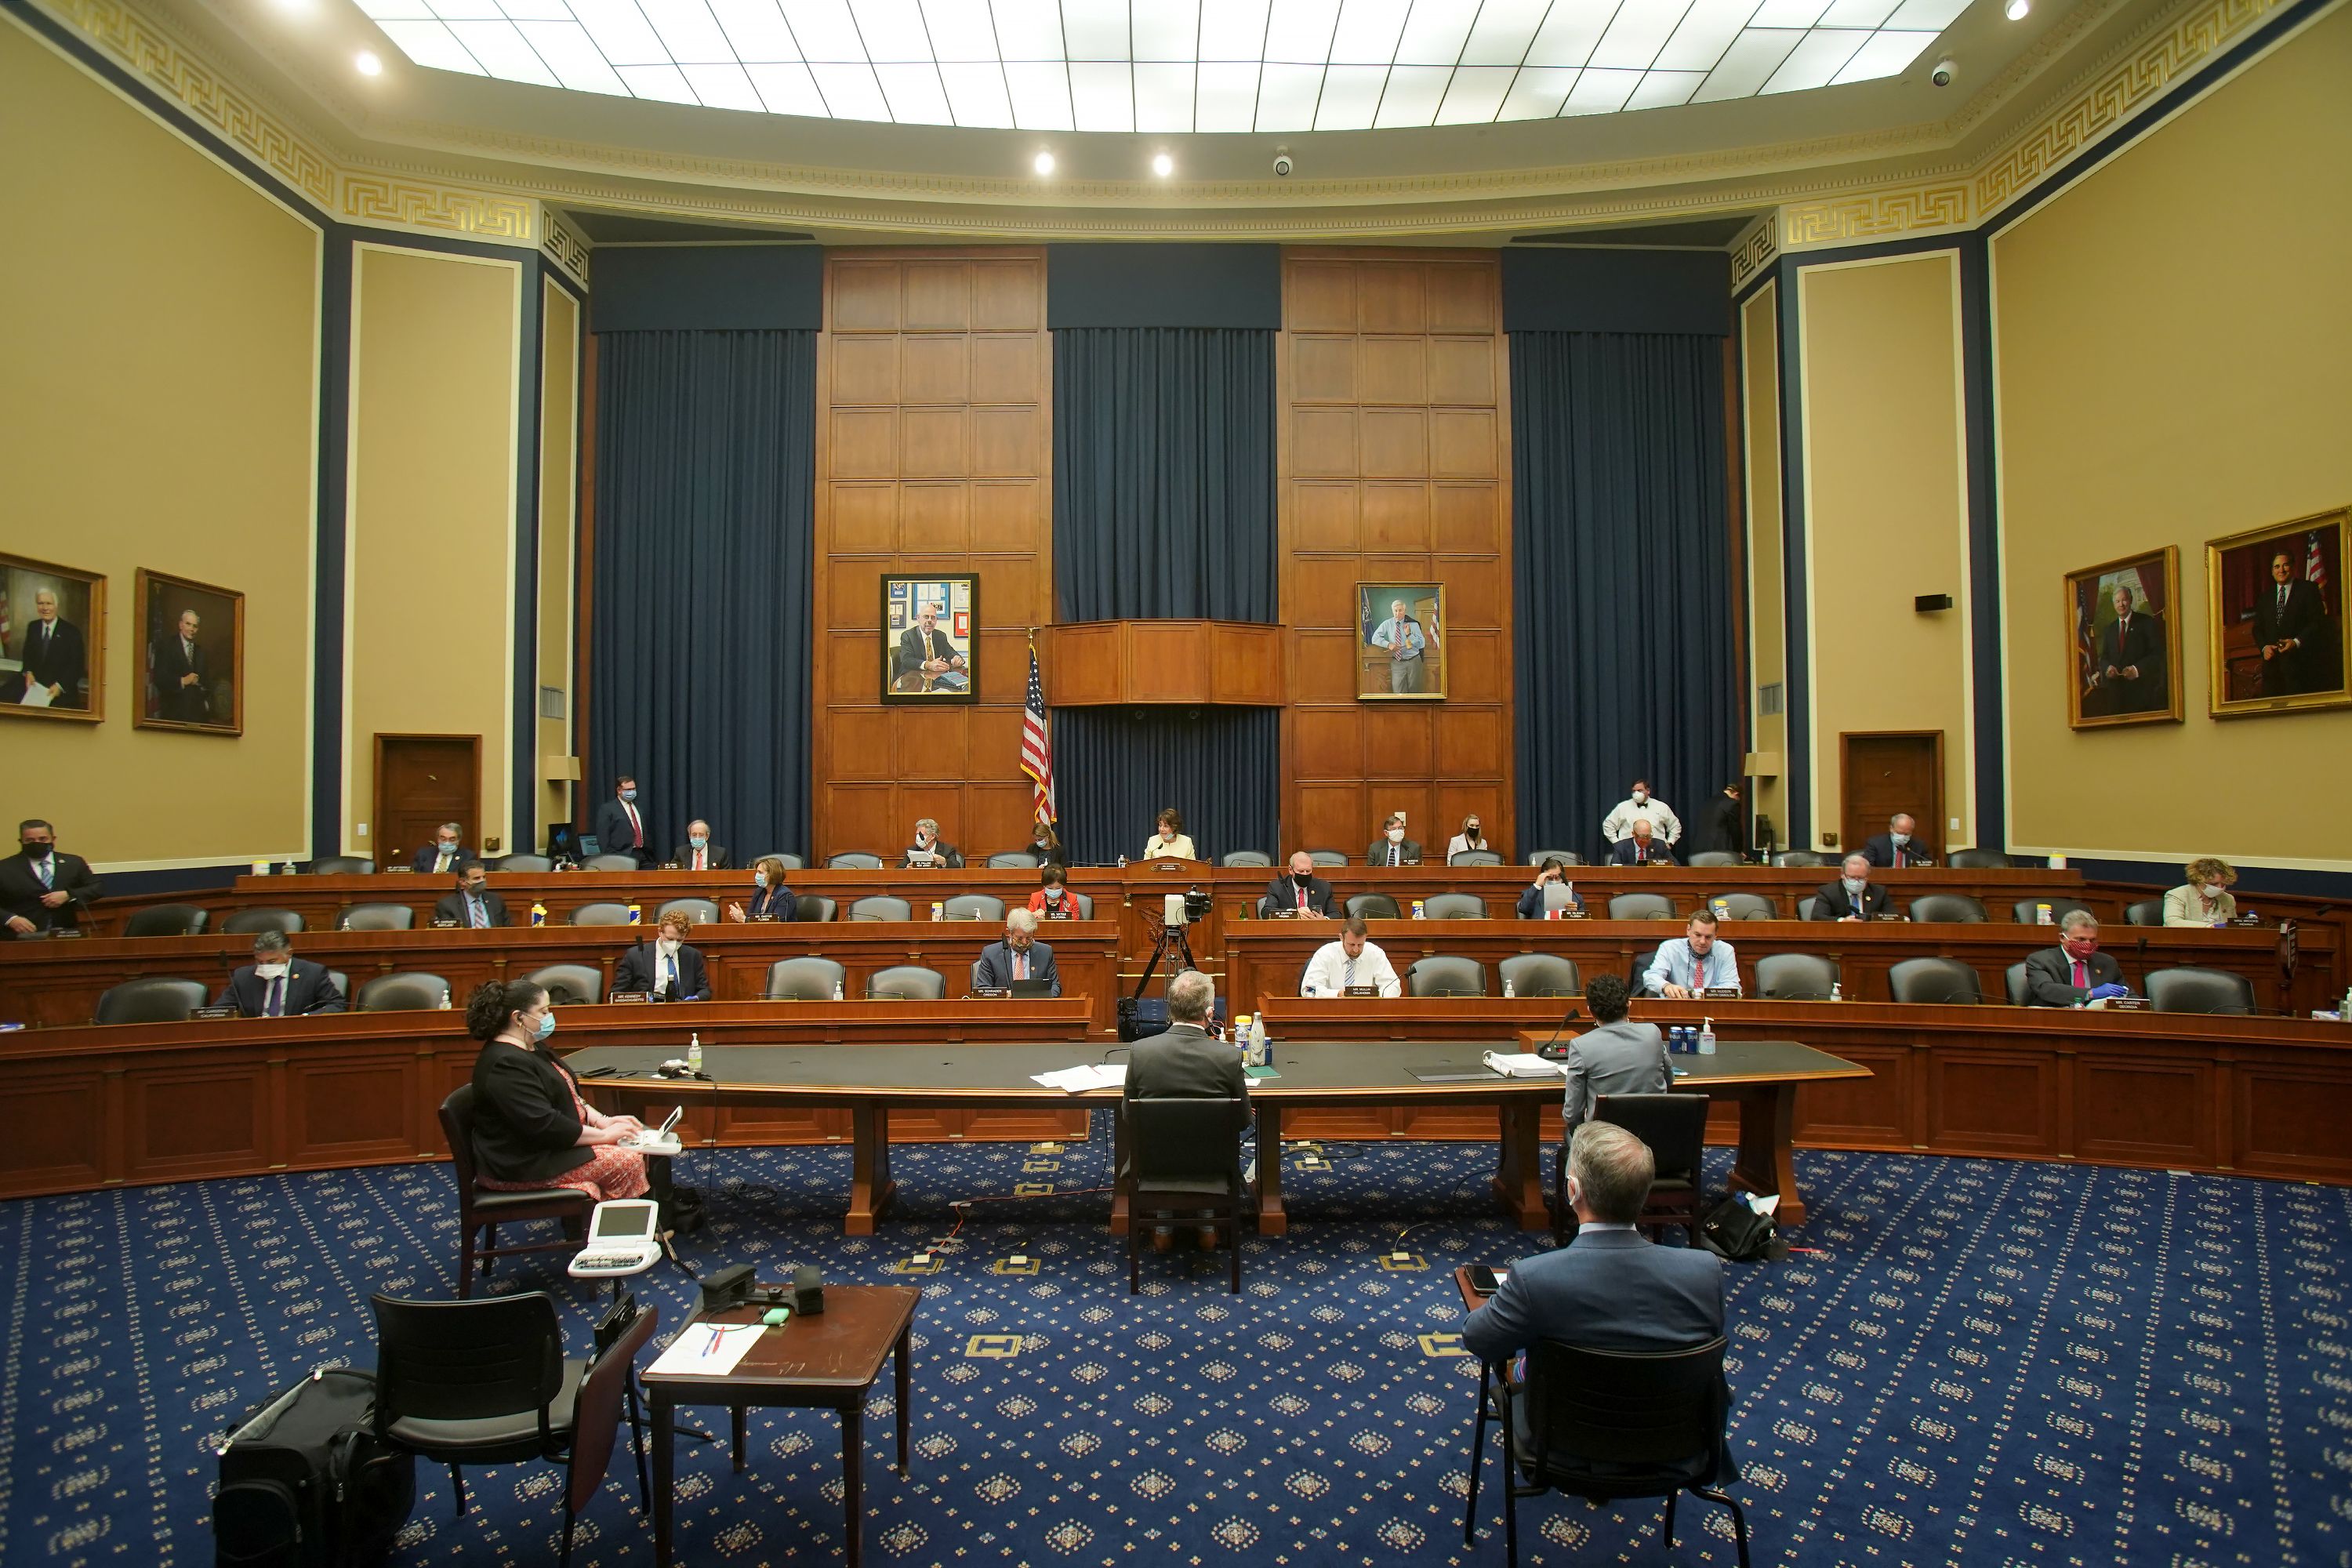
(1545, 1050)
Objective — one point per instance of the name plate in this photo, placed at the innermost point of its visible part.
(669, 866)
(400, 870)
(630, 997)
(763, 920)
(1361, 990)
(445, 923)
(1722, 993)
(218, 1010)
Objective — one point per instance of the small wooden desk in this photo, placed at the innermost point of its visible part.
(825, 1363)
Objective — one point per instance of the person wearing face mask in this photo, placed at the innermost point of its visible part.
(1053, 901)
(771, 899)
(1019, 956)
(620, 824)
(1471, 837)
(1553, 872)
(1898, 847)
(1045, 844)
(531, 1128)
(443, 856)
(1171, 842)
(1392, 847)
(1851, 896)
(698, 853)
(2075, 971)
(277, 984)
(665, 969)
(43, 889)
(2205, 899)
(1641, 805)
(1299, 892)
(473, 906)
(931, 851)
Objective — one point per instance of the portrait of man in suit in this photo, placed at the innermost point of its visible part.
(2278, 631)
(193, 655)
(48, 629)
(1402, 651)
(2124, 641)
(927, 638)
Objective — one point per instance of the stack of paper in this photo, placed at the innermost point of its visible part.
(710, 1349)
(1522, 1064)
(1078, 1079)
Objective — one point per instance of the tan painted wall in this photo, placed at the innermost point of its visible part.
(2172, 335)
(1766, 589)
(157, 409)
(1886, 517)
(431, 564)
(559, 467)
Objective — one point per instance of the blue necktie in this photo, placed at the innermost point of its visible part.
(670, 964)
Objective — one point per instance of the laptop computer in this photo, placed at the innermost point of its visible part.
(662, 1140)
(621, 1239)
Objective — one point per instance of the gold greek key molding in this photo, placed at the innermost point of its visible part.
(1753, 251)
(396, 202)
(1875, 214)
(565, 247)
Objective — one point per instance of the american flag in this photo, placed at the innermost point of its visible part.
(2314, 565)
(1037, 745)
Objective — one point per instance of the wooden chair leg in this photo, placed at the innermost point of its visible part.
(1134, 1250)
(490, 1249)
(566, 1560)
(637, 1449)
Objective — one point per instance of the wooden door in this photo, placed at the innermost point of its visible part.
(422, 782)
(1883, 772)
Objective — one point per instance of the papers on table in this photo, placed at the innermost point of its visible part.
(1523, 1064)
(1079, 1079)
(710, 1349)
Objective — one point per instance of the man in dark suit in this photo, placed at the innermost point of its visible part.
(55, 656)
(1616, 1055)
(926, 653)
(1852, 897)
(445, 855)
(666, 968)
(43, 889)
(277, 984)
(2291, 631)
(472, 905)
(1898, 848)
(1609, 1288)
(1184, 1062)
(2131, 659)
(1640, 847)
(1723, 824)
(620, 825)
(182, 677)
(1392, 847)
(1300, 891)
(1534, 902)
(928, 852)
(698, 853)
(1019, 956)
(2075, 971)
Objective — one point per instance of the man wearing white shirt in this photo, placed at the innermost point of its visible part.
(445, 854)
(1348, 962)
(1697, 962)
(698, 853)
(1401, 635)
(1642, 806)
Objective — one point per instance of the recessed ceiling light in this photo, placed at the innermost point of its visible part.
(1045, 163)
(368, 63)
(2018, 9)
(1162, 164)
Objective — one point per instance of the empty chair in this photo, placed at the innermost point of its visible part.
(1675, 1128)
(1013, 859)
(975, 907)
(1795, 977)
(1374, 907)
(791, 861)
(400, 990)
(377, 917)
(522, 863)
(342, 985)
(1565, 857)
(1245, 858)
(570, 984)
(252, 922)
(1713, 858)
(151, 999)
(1085, 902)
(1950, 909)
(609, 863)
(907, 982)
(2188, 988)
(1743, 907)
(1327, 857)
(167, 920)
(813, 907)
(853, 860)
(2020, 994)
(343, 865)
(2028, 912)
(881, 907)
(2144, 912)
(1978, 860)
(1803, 858)
(1540, 975)
(1474, 857)
(1812, 907)
(702, 911)
(1455, 905)
(808, 979)
(1640, 907)
(1445, 974)
(1941, 982)
(603, 914)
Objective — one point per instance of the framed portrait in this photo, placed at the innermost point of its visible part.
(2123, 632)
(2278, 630)
(191, 655)
(929, 651)
(52, 641)
(1402, 655)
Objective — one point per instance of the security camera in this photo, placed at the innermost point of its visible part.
(1281, 164)
(1946, 69)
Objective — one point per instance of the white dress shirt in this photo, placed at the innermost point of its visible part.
(1618, 823)
(1676, 964)
(1330, 972)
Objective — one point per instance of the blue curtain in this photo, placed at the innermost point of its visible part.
(698, 636)
(1621, 539)
(1115, 768)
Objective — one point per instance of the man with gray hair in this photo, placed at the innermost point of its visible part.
(446, 853)
(277, 984)
(1851, 896)
(1609, 1288)
(1184, 1062)
(929, 851)
(2075, 971)
(1019, 957)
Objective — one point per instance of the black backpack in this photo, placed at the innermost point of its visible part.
(306, 1483)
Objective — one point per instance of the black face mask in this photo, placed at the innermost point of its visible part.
(39, 851)
(1302, 877)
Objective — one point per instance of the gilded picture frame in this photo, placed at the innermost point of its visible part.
(2280, 639)
(191, 656)
(1400, 642)
(2123, 634)
(52, 624)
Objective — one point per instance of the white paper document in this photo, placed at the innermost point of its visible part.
(1523, 1064)
(1078, 1079)
(710, 1349)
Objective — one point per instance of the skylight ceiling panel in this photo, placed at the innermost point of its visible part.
(1706, 30)
(467, 10)
(504, 52)
(828, 36)
(727, 86)
(1664, 90)
(893, 32)
(977, 95)
(1103, 94)
(1886, 54)
(432, 44)
(1790, 13)
(1600, 91)
(961, 31)
(1753, 56)
(1350, 96)
(535, 10)
(1287, 95)
(1474, 94)
(1040, 91)
(1434, 34)
(1538, 92)
(397, 10)
(1569, 31)
(850, 90)
(1234, 29)
(688, 32)
(665, 84)
(788, 89)
(1094, 32)
(1811, 63)
(1413, 95)
(620, 31)
(1858, 13)
(914, 93)
(1166, 30)
(574, 56)
(1225, 96)
(755, 30)
(1639, 32)
(1504, 30)
(1298, 32)
(1926, 15)
(1367, 31)
(1026, 30)
(1163, 95)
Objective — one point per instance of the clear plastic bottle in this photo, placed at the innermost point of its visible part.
(694, 1052)
(1257, 1041)
(1507, 988)
(836, 990)
(1837, 991)
(1706, 1037)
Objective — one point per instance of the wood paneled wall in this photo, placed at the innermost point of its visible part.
(933, 392)
(1395, 466)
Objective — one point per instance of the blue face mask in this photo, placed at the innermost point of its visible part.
(759, 879)
(546, 1025)
(700, 843)
(628, 794)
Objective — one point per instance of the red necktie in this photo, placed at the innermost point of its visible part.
(1302, 900)
(2082, 979)
(636, 829)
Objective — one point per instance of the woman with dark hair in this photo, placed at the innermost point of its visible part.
(531, 1128)
(771, 898)
(1171, 842)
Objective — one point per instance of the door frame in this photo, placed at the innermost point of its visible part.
(376, 801)
(1845, 775)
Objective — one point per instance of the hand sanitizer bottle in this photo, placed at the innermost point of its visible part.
(1507, 989)
(1707, 1037)
(694, 1052)
(836, 990)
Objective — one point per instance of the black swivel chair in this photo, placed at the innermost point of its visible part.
(342, 865)
(1474, 857)
(812, 907)
(1445, 974)
(2028, 912)
(1012, 861)
(1795, 977)
(2188, 988)
(1565, 857)
(853, 860)
(167, 920)
(1327, 857)
(1743, 907)
(1245, 858)
(881, 907)
(603, 912)
(570, 984)
(701, 911)
(1373, 907)
(1812, 907)
(1640, 907)
(1977, 861)
(907, 982)
(1803, 858)
(377, 917)
(254, 922)
(1187, 1160)
(810, 979)
(1454, 907)
(400, 990)
(1936, 981)
(1674, 1127)
(1948, 908)
(482, 1210)
(609, 863)
(1540, 975)
(152, 999)
(975, 907)
(1716, 858)
(2021, 992)
(522, 863)
(2144, 912)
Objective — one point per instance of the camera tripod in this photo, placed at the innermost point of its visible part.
(1174, 945)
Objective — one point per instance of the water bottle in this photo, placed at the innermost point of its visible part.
(694, 1052)
(1257, 1041)
(1706, 1037)
(637, 915)
(537, 913)
(445, 998)
(2041, 914)
(939, 909)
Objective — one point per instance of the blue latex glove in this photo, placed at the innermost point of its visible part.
(2102, 992)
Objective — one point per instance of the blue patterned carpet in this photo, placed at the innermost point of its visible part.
(1986, 1362)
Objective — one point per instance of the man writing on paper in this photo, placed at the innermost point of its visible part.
(1349, 961)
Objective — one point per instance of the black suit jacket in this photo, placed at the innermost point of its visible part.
(61, 662)
(1725, 825)
(1660, 853)
(21, 891)
(182, 704)
(993, 968)
(716, 853)
(309, 989)
(2138, 647)
(2300, 668)
(944, 850)
(612, 829)
(1531, 902)
(1837, 906)
(1880, 848)
(526, 1126)
(1186, 1063)
(2049, 978)
(910, 656)
(428, 857)
(1280, 895)
(640, 965)
(1408, 853)
(452, 907)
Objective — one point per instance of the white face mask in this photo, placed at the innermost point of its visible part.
(1639, 795)
(1396, 834)
(1900, 838)
(270, 971)
(1854, 884)
(759, 879)
(668, 947)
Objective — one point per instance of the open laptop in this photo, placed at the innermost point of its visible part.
(662, 1140)
(621, 1239)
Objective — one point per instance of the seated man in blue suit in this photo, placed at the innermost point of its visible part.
(665, 968)
(1609, 1288)
(445, 855)
(1640, 847)
(277, 984)
(1019, 956)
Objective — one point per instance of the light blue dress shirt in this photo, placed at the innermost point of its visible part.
(1675, 965)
